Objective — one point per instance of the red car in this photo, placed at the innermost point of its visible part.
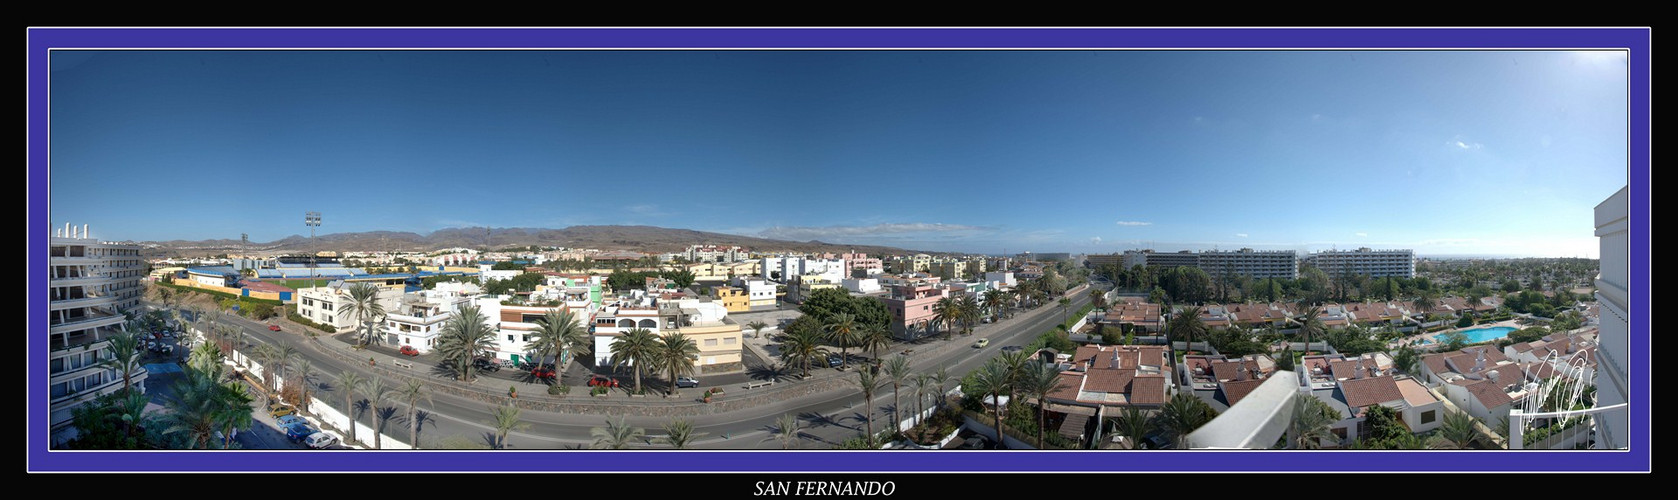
(273, 328)
(542, 373)
(408, 351)
(602, 381)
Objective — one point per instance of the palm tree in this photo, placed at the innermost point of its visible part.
(377, 393)
(1134, 423)
(786, 429)
(1310, 423)
(1424, 302)
(199, 411)
(349, 381)
(364, 306)
(412, 392)
(1186, 324)
(1407, 360)
(284, 357)
(944, 313)
(679, 434)
(234, 412)
(842, 331)
(676, 354)
(898, 369)
(969, 313)
(1182, 415)
(558, 334)
(940, 377)
(801, 346)
(637, 347)
(757, 327)
(615, 435)
(1065, 303)
(1026, 291)
(869, 384)
(1039, 380)
(125, 356)
(993, 379)
(1456, 432)
(305, 371)
(1017, 363)
(994, 301)
(923, 385)
(1310, 323)
(506, 420)
(874, 337)
(1098, 298)
(268, 356)
(465, 336)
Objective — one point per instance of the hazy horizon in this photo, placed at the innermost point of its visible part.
(1444, 153)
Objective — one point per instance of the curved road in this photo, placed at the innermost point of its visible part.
(826, 419)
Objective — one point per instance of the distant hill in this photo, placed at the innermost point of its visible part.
(647, 239)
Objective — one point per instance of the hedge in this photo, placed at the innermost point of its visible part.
(223, 295)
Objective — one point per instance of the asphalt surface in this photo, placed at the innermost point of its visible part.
(825, 419)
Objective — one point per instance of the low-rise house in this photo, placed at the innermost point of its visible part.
(325, 305)
(910, 307)
(419, 317)
(1113, 377)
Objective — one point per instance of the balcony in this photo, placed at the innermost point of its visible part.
(88, 301)
(99, 318)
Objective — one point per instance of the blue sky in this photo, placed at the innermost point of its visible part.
(1501, 153)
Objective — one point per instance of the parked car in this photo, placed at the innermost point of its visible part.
(486, 365)
(408, 350)
(602, 381)
(542, 373)
(320, 440)
(273, 328)
(280, 409)
(981, 343)
(287, 420)
(1012, 348)
(299, 431)
(833, 361)
(685, 382)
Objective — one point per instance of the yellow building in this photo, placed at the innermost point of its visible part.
(733, 299)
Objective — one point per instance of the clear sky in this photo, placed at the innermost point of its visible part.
(1501, 153)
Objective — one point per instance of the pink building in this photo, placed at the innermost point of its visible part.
(861, 261)
(911, 309)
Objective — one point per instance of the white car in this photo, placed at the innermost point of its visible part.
(320, 440)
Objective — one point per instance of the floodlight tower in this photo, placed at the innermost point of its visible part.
(312, 219)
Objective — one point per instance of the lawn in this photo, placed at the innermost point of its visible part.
(297, 284)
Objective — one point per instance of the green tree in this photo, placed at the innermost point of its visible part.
(616, 435)
(1133, 423)
(1182, 415)
(558, 333)
(1039, 380)
(1310, 323)
(897, 368)
(676, 355)
(801, 345)
(1311, 423)
(1186, 324)
(968, 313)
(786, 430)
(679, 434)
(842, 331)
(412, 392)
(874, 338)
(1065, 304)
(869, 384)
(377, 392)
(505, 418)
(305, 379)
(993, 379)
(1407, 360)
(944, 314)
(466, 336)
(364, 306)
(349, 382)
(125, 356)
(757, 327)
(637, 347)
(1456, 432)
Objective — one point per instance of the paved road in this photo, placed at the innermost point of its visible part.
(826, 419)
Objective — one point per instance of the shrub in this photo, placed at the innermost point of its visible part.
(559, 390)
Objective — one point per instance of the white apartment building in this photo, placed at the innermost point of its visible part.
(786, 267)
(90, 283)
(714, 253)
(1004, 279)
(1367, 262)
(1613, 286)
(517, 325)
(1248, 262)
(325, 304)
(705, 323)
(761, 293)
(862, 285)
(419, 317)
(1150, 258)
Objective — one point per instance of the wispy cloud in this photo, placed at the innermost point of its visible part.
(800, 233)
(460, 223)
(1362, 235)
(1134, 223)
(1462, 143)
(1240, 235)
(645, 210)
(1095, 240)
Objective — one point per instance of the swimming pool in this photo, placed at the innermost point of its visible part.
(1478, 335)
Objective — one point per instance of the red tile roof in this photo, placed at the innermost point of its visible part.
(1109, 381)
(1147, 390)
(1235, 390)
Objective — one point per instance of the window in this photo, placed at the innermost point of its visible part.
(509, 338)
(1427, 417)
(710, 342)
(526, 338)
(728, 341)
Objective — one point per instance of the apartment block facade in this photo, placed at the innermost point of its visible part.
(91, 283)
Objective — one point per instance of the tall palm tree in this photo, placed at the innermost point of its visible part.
(558, 334)
(874, 336)
(968, 313)
(898, 369)
(1456, 432)
(234, 412)
(944, 314)
(198, 412)
(1065, 304)
(869, 383)
(1310, 423)
(1026, 291)
(1098, 298)
(466, 336)
(940, 377)
(125, 356)
(305, 371)
(679, 434)
(283, 359)
(1182, 415)
(786, 430)
(268, 356)
(412, 392)
(349, 382)
(843, 331)
(1310, 324)
(1039, 380)
(1186, 324)
(637, 348)
(505, 418)
(994, 302)
(1134, 423)
(616, 435)
(364, 306)
(1423, 302)
(993, 379)
(675, 356)
(923, 385)
(801, 346)
(1017, 363)
(377, 392)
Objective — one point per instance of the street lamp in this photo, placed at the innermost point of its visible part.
(312, 219)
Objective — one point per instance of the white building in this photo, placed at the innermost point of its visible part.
(326, 304)
(1363, 261)
(783, 268)
(418, 317)
(761, 293)
(90, 284)
(1248, 262)
(714, 253)
(862, 285)
(1003, 279)
(516, 325)
(1613, 294)
(485, 274)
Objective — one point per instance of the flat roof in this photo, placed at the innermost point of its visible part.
(1415, 394)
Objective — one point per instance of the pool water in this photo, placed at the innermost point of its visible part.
(1478, 335)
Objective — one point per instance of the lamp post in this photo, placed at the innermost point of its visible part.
(311, 219)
